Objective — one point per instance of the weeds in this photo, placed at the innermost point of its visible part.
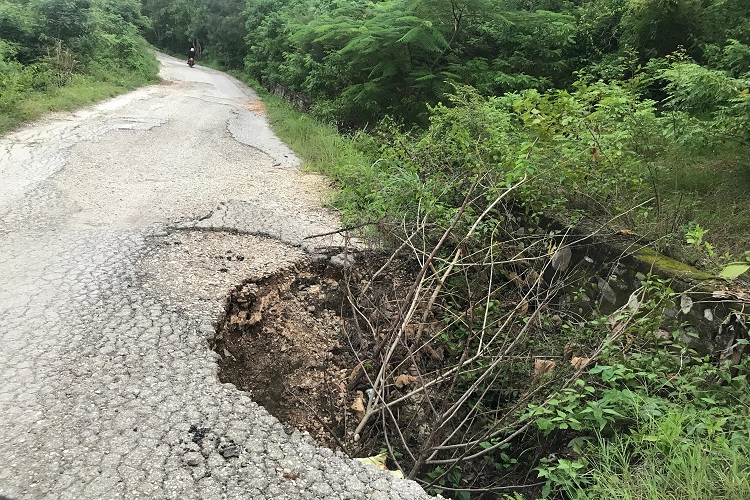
(80, 91)
(59, 56)
(450, 360)
(680, 454)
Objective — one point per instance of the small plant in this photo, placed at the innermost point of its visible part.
(694, 237)
(694, 234)
(642, 412)
(732, 270)
(727, 266)
(443, 478)
(563, 474)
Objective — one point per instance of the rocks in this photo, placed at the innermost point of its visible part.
(228, 449)
(343, 260)
(286, 358)
(193, 459)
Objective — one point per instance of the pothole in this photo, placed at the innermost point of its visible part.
(282, 339)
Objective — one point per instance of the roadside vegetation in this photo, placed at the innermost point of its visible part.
(564, 71)
(626, 410)
(467, 137)
(61, 54)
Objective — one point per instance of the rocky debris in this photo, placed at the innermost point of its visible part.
(298, 360)
(281, 333)
(228, 449)
(343, 260)
(193, 459)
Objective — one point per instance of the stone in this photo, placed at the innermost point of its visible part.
(193, 459)
(230, 451)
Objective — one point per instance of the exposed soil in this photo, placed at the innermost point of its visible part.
(255, 106)
(290, 340)
(281, 340)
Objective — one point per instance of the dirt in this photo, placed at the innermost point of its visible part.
(283, 340)
(289, 340)
(254, 106)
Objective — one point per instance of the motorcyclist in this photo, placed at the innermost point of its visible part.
(191, 54)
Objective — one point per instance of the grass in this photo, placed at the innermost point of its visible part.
(19, 108)
(711, 189)
(320, 145)
(666, 461)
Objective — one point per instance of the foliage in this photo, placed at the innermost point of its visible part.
(219, 25)
(650, 412)
(581, 147)
(357, 61)
(360, 60)
(628, 111)
(47, 45)
(479, 145)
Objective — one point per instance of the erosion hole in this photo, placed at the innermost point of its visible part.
(281, 340)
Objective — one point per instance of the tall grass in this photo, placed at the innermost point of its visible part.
(673, 457)
(19, 106)
(711, 189)
(83, 90)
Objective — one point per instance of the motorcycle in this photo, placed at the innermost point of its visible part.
(191, 62)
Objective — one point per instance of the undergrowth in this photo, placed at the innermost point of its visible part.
(58, 56)
(646, 418)
(81, 91)
(679, 455)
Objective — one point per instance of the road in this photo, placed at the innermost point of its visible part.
(117, 228)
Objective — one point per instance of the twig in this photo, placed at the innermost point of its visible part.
(339, 231)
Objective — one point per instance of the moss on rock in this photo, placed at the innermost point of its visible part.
(653, 261)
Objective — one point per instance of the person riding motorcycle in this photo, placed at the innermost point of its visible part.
(191, 54)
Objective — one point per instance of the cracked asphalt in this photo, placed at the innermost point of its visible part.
(123, 227)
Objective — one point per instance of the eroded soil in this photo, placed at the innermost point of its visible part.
(281, 340)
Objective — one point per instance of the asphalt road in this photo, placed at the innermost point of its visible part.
(117, 228)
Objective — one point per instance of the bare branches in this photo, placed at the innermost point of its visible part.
(440, 351)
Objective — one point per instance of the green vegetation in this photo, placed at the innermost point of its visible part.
(60, 54)
(652, 430)
(676, 69)
(667, 458)
(651, 419)
(319, 144)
